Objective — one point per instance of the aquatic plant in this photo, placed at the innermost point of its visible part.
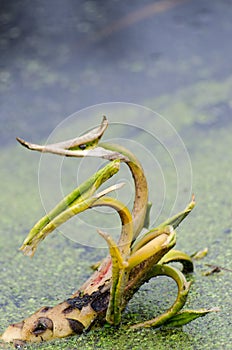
(138, 256)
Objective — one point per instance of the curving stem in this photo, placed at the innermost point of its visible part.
(89, 303)
(183, 289)
(88, 146)
(75, 202)
(180, 257)
(119, 254)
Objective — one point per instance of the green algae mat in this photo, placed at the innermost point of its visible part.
(62, 264)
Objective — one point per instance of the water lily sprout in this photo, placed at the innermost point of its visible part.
(138, 255)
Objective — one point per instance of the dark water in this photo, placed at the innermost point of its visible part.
(60, 56)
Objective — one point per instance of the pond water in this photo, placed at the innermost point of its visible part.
(172, 57)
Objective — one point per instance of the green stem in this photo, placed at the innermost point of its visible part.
(178, 256)
(119, 280)
(183, 289)
(88, 146)
(178, 218)
(119, 254)
(126, 235)
(78, 200)
(152, 248)
(174, 221)
(141, 187)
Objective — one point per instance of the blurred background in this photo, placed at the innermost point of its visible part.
(57, 57)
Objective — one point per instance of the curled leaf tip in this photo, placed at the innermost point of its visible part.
(104, 120)
(192, 203)
(110, 189)
(185, 316)
(23, 142)
(200, 254)
(27, 250)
